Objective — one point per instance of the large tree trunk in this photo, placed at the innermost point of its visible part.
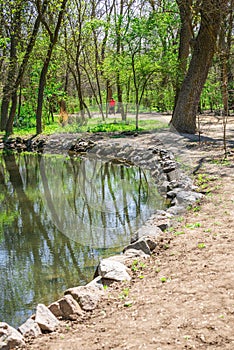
(10, 92)
(184, 116)
(7, 90)
(186, 35)
(44, 71)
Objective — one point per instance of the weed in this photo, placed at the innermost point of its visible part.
(207, 230)
(201, 245)
(128, 303)
(124, 294)
(216, 223)
(142, 265)
(137, 265)
(178, 233)
(193, 226)
(163, 279)
(180, 219)
(196, 208)
(134, 265)
(187, 337)
(222, 162)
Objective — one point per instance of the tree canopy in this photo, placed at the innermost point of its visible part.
(167, 56)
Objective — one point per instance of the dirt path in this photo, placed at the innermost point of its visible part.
(183, 296)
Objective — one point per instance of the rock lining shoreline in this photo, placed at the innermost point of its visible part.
(145, 151)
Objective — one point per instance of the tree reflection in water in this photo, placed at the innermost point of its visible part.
(58, 217)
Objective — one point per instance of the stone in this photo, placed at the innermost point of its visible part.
(173, 175)
(120, 258)
(86, 296)
(10, 338)
(113, 270)
(69, 307)
(169, 166)
(30, 329)
(162, 213)
(66, 307)
(172, 194)
(188, 197)
(55, 309)
(96, 283)
(141, 244)
(134, 253)
(45, 319)
(151, 243)
(163, 222)
(147, 230)
(176, 210)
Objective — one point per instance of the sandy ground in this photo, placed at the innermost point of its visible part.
(183, 296)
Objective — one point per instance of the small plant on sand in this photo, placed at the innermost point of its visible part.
(124, 294)
(178, 233)
(201, 245)
(134, 266)
(128, 303)
(193, 225)
(137, 265)
(163, 279)
(180, 219)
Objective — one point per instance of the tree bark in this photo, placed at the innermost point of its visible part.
(42, 82)
(184, 116)
(11, 91)
(186, 35)
(7, 90)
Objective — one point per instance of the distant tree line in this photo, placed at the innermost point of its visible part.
(166, 55)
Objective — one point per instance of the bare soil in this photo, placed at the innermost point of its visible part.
(182, 297)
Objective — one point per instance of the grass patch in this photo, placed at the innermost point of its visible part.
(94, 125)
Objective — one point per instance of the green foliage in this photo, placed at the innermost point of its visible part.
(93, 125)
(6, 218)
(193, 225)
(178, 233)
(137, 49)
(124, 294)
(201, 245)
(111, 127)
(163, 279)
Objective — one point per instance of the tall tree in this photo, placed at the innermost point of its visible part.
(13, 30)
(53, 37)
(184, 116)
(186, 35)
(16, 71)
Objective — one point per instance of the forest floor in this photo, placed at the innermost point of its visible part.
(182, 297)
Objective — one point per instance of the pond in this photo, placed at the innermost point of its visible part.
(58, 217)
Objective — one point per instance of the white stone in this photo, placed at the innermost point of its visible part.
(45, 319)
(87, 296)
(113, 270)
(30, 329)
(10, 338)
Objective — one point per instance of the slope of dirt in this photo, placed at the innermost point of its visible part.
(182, 297)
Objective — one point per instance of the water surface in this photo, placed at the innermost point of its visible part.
(58, 217)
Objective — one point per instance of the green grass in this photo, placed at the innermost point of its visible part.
(95, 125)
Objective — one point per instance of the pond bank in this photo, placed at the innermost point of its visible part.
(182, 297)
(145, 151)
